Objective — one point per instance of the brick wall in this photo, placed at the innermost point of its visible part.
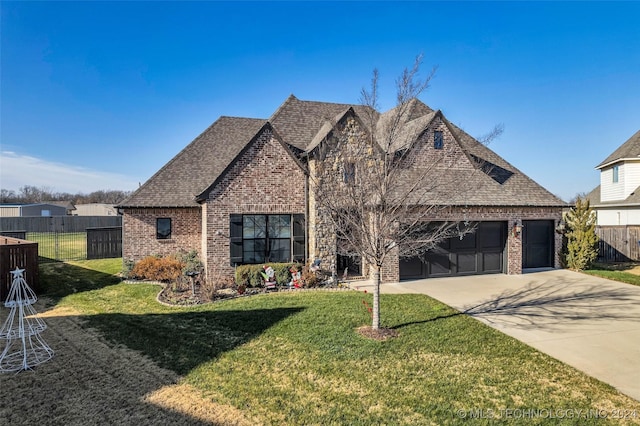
(139, 231)
(264, 180)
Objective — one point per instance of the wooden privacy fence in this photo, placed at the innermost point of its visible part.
(17, 253)
(618, 243)
(104, 243)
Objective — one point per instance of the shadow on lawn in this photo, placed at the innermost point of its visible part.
(99, 377)
(58, 280)
(181, 341)
(93, 380)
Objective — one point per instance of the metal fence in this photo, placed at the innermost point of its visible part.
(63, 238)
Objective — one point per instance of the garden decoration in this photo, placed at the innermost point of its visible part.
(269, 276)
(24, 347)
(296, 278)
(315, 266)
(192, 275)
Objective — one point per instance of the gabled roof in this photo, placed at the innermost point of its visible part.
(202, 196)
(628, 150)
(198, 165)
(632, 200)
(325, 129)
(300, 126)
(492, 182)
(297, 122)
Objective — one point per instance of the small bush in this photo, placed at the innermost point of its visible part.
(582, 243)
(309, 278)
(213, 283)
(155, 268)
(127, 267)
(249, 275)
(191, 262)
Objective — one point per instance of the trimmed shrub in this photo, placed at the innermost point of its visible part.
(582, 242)
(157, 269)
(249, 275)
(191, 262)
(127, 267)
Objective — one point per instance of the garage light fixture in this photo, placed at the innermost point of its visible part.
(517, 228)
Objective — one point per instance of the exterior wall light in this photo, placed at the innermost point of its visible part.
(517, 229)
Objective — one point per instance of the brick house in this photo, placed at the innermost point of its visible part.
(240, 193)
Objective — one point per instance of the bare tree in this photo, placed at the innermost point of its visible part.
(33, 194)
(372, 186)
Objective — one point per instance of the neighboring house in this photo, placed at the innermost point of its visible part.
(617, 199)
(45, 209)
(95, 209)
(616, 202)
(239, 193)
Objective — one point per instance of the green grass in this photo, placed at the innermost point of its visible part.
(60, 246)
(616, 272)
(296, 358)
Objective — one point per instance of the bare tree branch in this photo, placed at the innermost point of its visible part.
(383, 188)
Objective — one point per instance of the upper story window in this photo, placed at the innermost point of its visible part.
(349, 173)
(616, 174)
(163, 228)
(438, 142)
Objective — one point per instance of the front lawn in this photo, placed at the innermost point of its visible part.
(623, 272)
(296, 358)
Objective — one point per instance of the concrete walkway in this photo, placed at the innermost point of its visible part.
(590, 323)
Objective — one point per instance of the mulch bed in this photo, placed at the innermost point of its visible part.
(377, 334)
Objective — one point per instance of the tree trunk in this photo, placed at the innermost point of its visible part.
(375, 315)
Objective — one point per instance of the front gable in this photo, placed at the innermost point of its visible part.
(264, 163)
(436, 146)
(264, 179)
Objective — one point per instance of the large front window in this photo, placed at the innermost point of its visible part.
(262, 238)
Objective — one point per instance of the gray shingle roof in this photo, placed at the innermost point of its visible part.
(629, 149)
(488, 180)
(297, 122)
(594, 199)
(198, 165)
(300, 124)
(506, 185)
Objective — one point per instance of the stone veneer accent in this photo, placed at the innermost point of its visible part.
(139, 231)
(322, 241)
(265, 179)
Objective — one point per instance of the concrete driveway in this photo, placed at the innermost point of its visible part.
(590, 323)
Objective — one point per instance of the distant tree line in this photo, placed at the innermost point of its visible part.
(31, 194)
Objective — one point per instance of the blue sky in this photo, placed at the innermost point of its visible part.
(100, 95)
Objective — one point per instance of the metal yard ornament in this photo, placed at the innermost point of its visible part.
(24, 346)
